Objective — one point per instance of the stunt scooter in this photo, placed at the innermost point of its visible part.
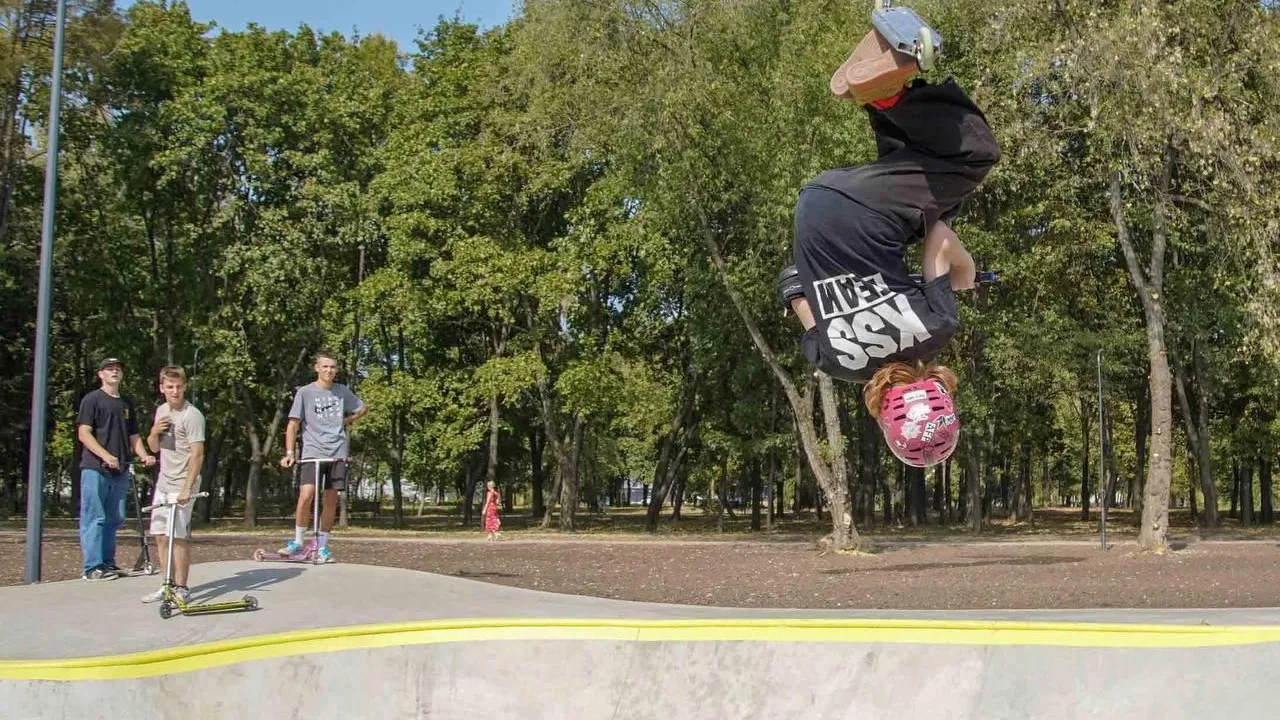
(172, 601)
(143, 565)
(311, 551)
(907, 33)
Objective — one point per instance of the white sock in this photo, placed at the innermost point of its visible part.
(324, 539)
(298, 532)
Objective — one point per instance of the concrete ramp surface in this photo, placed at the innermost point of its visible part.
(348, 641)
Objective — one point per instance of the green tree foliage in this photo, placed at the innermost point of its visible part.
(545, 251)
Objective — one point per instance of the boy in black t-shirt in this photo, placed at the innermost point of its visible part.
(107, 428)
(865, 319)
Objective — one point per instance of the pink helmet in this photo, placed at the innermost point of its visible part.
(919, 423)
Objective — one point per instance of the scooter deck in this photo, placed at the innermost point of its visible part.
(307, 555)
(900, 27)
(172, 603)
(170, 600)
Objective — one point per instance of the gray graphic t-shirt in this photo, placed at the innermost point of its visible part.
(186, 427)
(322, 411)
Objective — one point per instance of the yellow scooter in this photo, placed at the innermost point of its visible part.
(172, 601)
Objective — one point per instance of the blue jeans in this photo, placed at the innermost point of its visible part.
(102, 497)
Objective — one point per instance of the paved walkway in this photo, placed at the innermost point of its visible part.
(358, 641)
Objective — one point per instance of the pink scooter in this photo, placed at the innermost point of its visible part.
(311, 551)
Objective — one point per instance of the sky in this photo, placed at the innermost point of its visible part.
(397, 19)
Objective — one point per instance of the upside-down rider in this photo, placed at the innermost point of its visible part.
(866, 320)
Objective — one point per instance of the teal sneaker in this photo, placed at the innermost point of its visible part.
(325, 556)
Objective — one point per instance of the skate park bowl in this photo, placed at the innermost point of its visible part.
(352, 641)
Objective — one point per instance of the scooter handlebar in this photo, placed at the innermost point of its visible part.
(149, 508)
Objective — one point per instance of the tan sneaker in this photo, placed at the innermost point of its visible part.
(873, 71)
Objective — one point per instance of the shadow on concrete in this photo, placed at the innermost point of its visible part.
(244, 582)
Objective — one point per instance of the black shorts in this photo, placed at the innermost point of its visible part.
(334, 474)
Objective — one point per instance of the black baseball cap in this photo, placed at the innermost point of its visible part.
(109, 361)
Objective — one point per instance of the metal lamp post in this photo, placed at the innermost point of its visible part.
(40, 374)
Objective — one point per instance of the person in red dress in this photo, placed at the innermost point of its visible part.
(490, 512)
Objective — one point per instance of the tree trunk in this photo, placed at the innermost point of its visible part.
(1207, 485)
(671, 455)
(843, 534)
(467, 488)
(209, 471)
(945, 516)
(886, 501)
(1141, 432)
(537, 472)
(717, 492)
(259, 445)
(569, 487)
(396, 467)
(1210, 518)
(1085, 415)
(1235, 488)
(902, 492)
(973, 505)
(1191, 498)
(937, 489)
(869, 439)
(1022, 502)
(495, 420)
(344, 504)
(1264, 481)
(1046, 488)
(1005, 505)
(1108, 492)
(835, 480)
(677, 502)
(1246, 493)
(915, 477)
(555, 498)
(229, 487)
(251, 484)
(769, 481)
(1153, 535)
(756, 491)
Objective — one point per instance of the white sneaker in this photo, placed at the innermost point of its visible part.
(183, 594)
(156, 596)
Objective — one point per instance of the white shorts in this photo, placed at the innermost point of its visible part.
(181, 521)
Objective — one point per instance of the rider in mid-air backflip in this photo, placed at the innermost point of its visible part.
(865, 318)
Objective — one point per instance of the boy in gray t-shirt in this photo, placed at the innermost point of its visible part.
(177, 433)
(324, 409)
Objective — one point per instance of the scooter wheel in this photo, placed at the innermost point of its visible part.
(166, 609)
(251, 602)
(924, 49)
(259, 554)
(150, 569)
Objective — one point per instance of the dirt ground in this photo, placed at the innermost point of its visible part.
(895, 574)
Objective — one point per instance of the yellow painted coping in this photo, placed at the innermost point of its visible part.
(892, 631)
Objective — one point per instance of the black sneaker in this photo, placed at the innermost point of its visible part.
(115, 569)
(100, 573)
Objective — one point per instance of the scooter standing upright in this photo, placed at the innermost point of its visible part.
(311, 551)
(173, 601)
(143, 565)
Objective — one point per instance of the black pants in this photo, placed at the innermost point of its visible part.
(934, 149)
(853, 225)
